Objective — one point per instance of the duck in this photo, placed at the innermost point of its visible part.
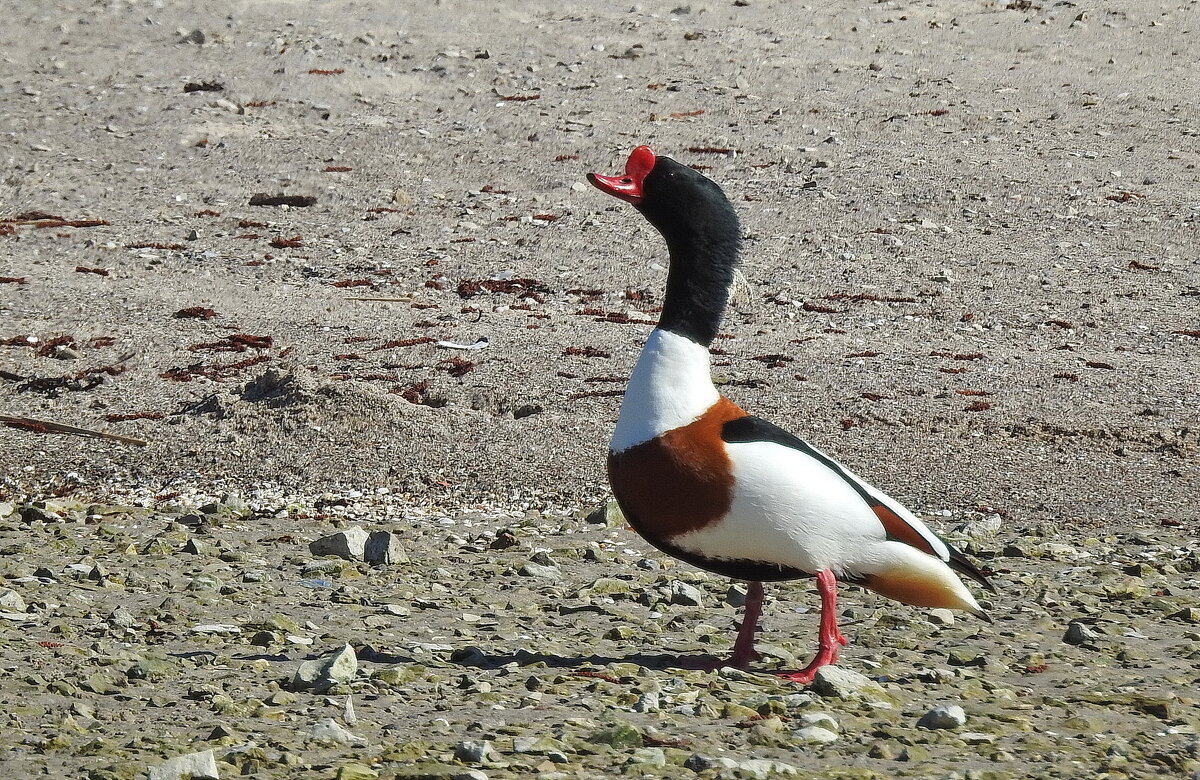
(707, 482)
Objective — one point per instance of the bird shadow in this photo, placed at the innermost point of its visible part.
(657, 661)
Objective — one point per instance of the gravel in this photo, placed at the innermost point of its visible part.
(970, 275)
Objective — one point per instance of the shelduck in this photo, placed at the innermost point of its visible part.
(709, 483)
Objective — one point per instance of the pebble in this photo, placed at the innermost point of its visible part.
(193, 766)
(321, 674)
(469, 774)
(384, 547)
(686, 595)
(216, 628)
(764, 768)
(822, 719)
(647, 702)
(608, 514)
(1078, 634)
(355, 772)
(649, 756)
(349, 545)
(835, 682)
(122, 618)
(11, 601)
(941, 617)
(700, 763)
(475, 751)
(329, 730)
(815, 734)
(537, 570)
(944, 716)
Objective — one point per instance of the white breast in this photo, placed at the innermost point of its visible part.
(671, 386)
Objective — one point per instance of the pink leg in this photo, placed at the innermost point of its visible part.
(829, 637)
(743, 649)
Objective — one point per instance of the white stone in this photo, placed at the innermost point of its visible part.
(686, 595)
(329, 730)
(763, 768)
(816, 734)
(350, 544)
(944, 716)
(941, 617)
(822, 719)
(323, 673)
(196, 766)
(835, 682)
(11, 601)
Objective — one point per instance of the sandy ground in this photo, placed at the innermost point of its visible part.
(971, 274)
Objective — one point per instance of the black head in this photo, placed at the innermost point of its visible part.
(702, 234)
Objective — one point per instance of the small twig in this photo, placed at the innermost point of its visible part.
(45, 426)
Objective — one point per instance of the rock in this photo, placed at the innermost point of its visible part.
(965, 656)
(618, 735)
(329, 730)
(1188, 615)
(537, 570)
(196, 547)
(736, 596)
(815, 734)
(384, 547)
(944, 716)
(153, 668)
(699, 763)
(941, 617)
(647, 702)
(764, 768)
(608, 514)
(982, 528)
(686, 595)
(11, 601)
(474, 751)
(350, 544)
(216, 628)
(355, 772)
(534, 745)
(822, 719)
(121, 618)
(321, 674)
(887, 750)
(838, 683)
(650, 756)
(196, 37)
(469, 774)
(1078, 634)
(31, 513)
(193, 766)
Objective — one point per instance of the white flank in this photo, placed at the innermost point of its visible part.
(671, 386)
(936, 544)
(790, 508)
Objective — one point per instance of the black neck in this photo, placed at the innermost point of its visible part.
(698, 282)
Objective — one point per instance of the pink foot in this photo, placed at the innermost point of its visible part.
(744, 653)
(829, 637)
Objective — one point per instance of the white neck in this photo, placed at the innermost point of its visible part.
(671, 386)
